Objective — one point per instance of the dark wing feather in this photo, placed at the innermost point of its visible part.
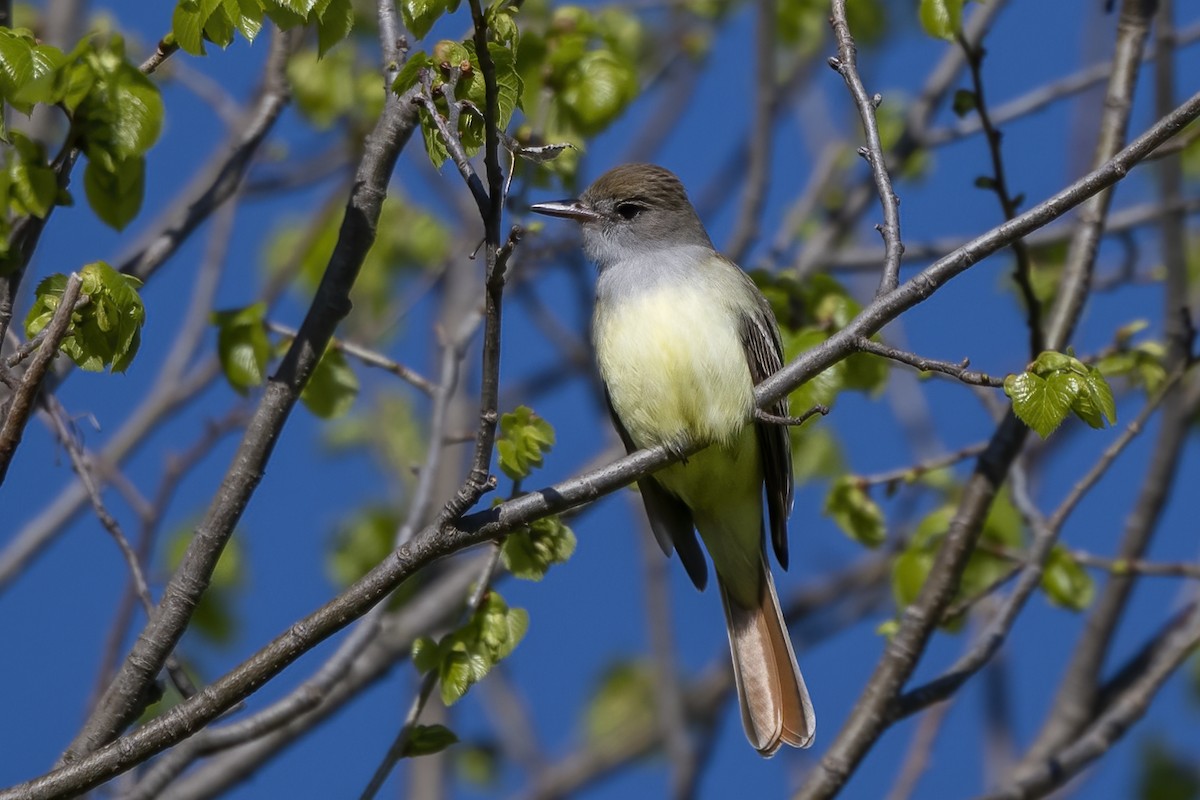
(764, 354)
(670, 518)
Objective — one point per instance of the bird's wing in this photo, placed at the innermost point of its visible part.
(670, 518)
(764, 355)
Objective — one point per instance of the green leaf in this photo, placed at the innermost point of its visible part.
(187, 23)
(419, 15)
(815, 454)
(410, 73)
(242, 346)
(465, 656)
(426, 654)
(107, 330)
(120, 116)
(1041, 403)
(1094, 403)
(116, 195)
(334, 23)
(32, 183)
(425, 740)
(965, 102)
(1065, 582)
(284, 14)
(530, 551)
(524, 438)
(333, 386)
(1164, 774)
(622, 704)
(909, 571)
(941, 19)
(249, 18)
(360, 542)
(597, 88)
(855, 512)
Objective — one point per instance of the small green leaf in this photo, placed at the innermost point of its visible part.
(426, 654)
(909, 571)
(32, 183)
(425, 740)
(457, 674)
(965, 102)
(1094, 403)
(855, 512)
(597, 88)
(116, 195)
(410, 73)
(242, 346)
(360, 543)
(524, 438)
(622, 704)
(1065, 582)
(419, 15)
(1041, 403)
(333, 386)
(334, 23)
(107, 330)
(529, 552)
(941, 19)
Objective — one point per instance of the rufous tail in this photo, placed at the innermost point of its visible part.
(775, 705)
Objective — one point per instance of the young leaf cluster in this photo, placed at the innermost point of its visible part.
(580, 72)
(465, 656)
(106, 330)
(452, 75)
(529, 552)
(195, 22)
(115, 113)
(524, 438)
(852, 508)
(1003, 531)
(571, 71)
(1058, 384)
(1065, 582)
(941, 19)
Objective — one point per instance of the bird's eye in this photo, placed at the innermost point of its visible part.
(629, 210)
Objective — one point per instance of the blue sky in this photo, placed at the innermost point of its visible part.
(588, 613)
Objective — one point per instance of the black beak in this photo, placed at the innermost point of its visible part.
(568, 209)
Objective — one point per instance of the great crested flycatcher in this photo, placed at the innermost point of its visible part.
(682, 336)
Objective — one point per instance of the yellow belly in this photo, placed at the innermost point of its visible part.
(675, 367)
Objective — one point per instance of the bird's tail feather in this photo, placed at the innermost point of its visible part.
(775, 705)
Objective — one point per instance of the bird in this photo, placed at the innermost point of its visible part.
(682, 336)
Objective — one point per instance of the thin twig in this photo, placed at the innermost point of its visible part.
(958, 371)
(1023, 272)
(367, 356)
(846, 64)
(912, 473)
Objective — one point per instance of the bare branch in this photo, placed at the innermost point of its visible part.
(847, 66)
(958, 371)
